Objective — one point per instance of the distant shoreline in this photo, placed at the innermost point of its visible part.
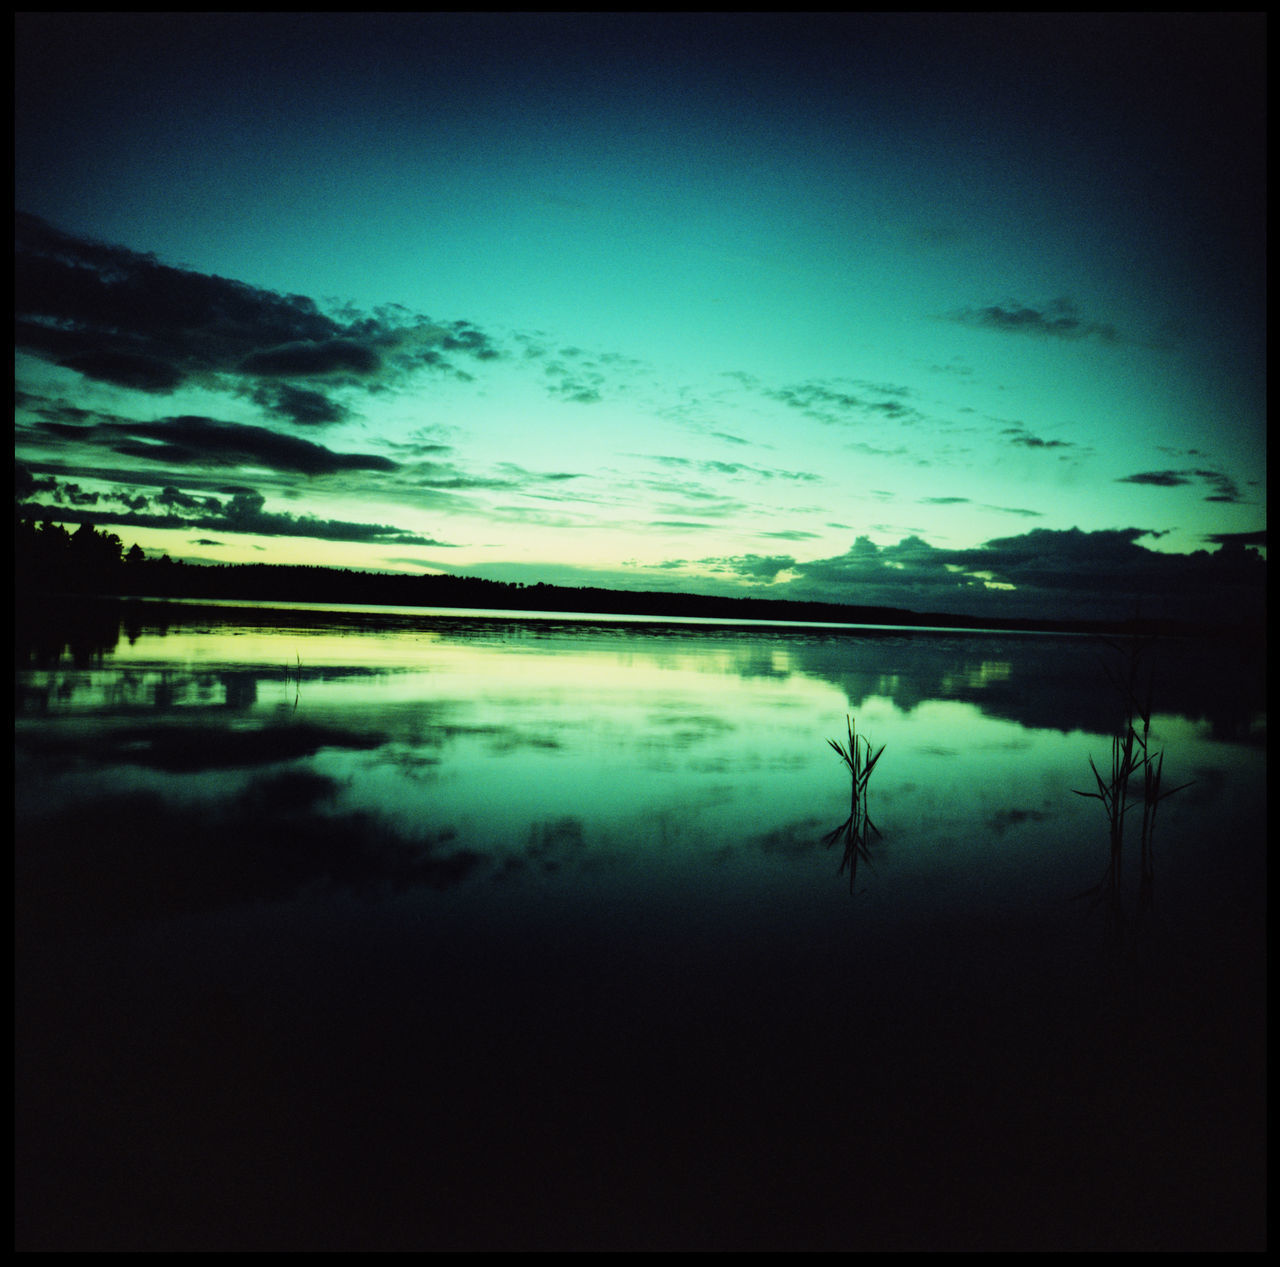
(583, 616)
(280, 587)
(50, 561)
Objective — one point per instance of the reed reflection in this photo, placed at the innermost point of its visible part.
(859, 760)
(1132, 758)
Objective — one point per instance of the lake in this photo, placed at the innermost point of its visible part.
(389, 929)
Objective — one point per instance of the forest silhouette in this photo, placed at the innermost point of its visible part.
(50, 561)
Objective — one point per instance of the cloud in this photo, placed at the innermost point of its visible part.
(579, 394)
(1064, 574)
(968, 501)
(119, 315)
(26, 485)
(178, 500)
(122, 317)
(193, 440)
(1158, 479)
(1223, 487)
(956, 365)
(446, 477)
(124, 369)
(418, 446)
(299, 405)
(1020, 436)
(1058, 319)
(683, 498)
(752, 567)
(580, 384)
(1240, 540)
(828, 401)
(520, 475)
(462, 336)
(242, 511)
(305, 358)
(733, 470)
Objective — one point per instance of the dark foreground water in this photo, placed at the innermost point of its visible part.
(369, 930)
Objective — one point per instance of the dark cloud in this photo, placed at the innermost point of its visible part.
(122, 317)
(968, 501)
(1046, 558)
(301, 405)
(192, 440)
(178, 500)
(1064, 574)
(118, 313)
(74, 495)
(305, 358)
(242, 511)
(1246, 540)
(462, 336)
(752, 567)
(1159, 479)
(1223, 487)
(27, 484)
(1021, 437)
(438, 476)
(124, 369)
(1058, 319)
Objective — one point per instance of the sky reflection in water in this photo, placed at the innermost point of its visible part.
(399, 933)
(494, 748)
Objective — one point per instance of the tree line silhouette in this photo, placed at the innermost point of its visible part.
(50, 561)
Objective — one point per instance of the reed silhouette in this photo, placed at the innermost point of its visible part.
(297, 680)
(859, 760)
(1134, 780)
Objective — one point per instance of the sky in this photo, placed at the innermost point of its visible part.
(945, 312)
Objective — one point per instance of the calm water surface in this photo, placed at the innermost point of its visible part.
(377, 929)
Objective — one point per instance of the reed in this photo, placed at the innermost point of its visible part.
(859, 760)
(1135, 779)
(297, 680)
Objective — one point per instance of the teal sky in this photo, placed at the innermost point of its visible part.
(950, 313)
